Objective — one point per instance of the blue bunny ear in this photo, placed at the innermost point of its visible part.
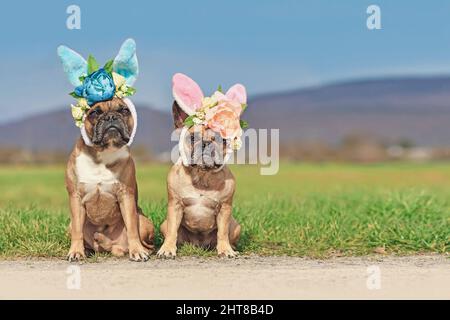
(74, 64)
(126, 63)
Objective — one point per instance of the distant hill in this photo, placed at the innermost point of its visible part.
(413, 108)
(417, 109)
(55, 130)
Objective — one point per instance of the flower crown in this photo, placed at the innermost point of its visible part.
(220, 112)
(94, 84)
(101, 84)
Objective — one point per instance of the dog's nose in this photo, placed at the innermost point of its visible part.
(205, 144)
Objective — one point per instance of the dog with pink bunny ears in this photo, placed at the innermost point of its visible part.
(200, 185)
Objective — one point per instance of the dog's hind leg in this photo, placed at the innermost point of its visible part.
(210, 240)
(182, 236)
(102, 242)
(163, 229)
(146, 231)
(234, 232)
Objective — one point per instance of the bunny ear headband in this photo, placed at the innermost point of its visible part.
(221, 112)
(94, 84)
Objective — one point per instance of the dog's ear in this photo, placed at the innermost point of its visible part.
(178, 115)
(126, 63)
(75, 66)
(187, 93)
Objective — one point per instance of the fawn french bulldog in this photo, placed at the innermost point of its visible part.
(100, 174)
(200, 186)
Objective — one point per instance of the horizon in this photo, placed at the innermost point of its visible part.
(273, 47)
(140, 103)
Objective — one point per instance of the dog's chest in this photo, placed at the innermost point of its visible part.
(199, 213)
(201, 204)
(97, 184)
(188, 190)
(91, 173)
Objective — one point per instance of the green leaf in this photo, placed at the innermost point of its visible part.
(244, 106)
(109, 66)
(219, 88)
(244, 124)
(131, 91)
(92, 64)
(73, 94)
(189, 121)
(82, 78)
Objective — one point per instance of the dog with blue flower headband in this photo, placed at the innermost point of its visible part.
(100, 174)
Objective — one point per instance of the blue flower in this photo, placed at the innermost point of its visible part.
(98, 86)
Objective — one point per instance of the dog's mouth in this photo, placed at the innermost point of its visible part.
(111, 133)
(207, 156)
(206, 167)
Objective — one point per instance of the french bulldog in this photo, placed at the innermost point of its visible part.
(102, 188)
(200, 195)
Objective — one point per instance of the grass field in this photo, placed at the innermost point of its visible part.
(305, 210)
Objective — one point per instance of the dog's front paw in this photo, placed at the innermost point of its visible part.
(138, 252)
(225, 251)
(167, 251)
(76, 253)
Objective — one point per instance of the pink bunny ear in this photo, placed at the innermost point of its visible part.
(186, 93)
(237, 93)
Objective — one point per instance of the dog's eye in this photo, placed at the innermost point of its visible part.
(95, 112)
(124, 111)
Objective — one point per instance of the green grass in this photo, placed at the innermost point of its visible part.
(304, 210)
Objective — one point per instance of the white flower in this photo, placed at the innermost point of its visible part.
(209, 102)
(218, 96)
(124, 88)
(197, 120)
(237, 144)
(82, 103)
(119, 94)
(200, 115)
(77, 112)
(118, 79)
(79, 123)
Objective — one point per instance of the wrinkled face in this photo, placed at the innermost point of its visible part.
(203, 148)
(109, 124)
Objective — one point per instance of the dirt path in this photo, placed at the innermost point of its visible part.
(244, 278)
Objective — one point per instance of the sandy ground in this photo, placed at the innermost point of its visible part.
(426, 277)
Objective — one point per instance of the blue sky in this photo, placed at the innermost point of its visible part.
(267, 45)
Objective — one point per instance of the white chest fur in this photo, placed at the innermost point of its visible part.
(90, 172)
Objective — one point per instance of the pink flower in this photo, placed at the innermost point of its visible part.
(223, 100)
(224, 119)
(234, 105)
